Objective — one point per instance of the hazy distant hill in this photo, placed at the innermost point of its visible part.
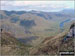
(68, 11)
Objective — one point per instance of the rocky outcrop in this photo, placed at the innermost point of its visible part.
(68, 40)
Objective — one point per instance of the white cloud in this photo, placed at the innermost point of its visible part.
(37, 5)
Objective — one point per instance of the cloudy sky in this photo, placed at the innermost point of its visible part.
(37, 5)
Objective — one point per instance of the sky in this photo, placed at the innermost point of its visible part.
(37, 5)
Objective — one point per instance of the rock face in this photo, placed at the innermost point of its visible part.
(68, 40)
(72, 30)
(71, 33)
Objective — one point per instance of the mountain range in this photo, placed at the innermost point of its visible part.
(38, 24)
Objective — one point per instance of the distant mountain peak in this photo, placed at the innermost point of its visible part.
(35, 11)
(68, 10)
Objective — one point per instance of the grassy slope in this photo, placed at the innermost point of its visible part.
(11, 46)
(52, 45)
